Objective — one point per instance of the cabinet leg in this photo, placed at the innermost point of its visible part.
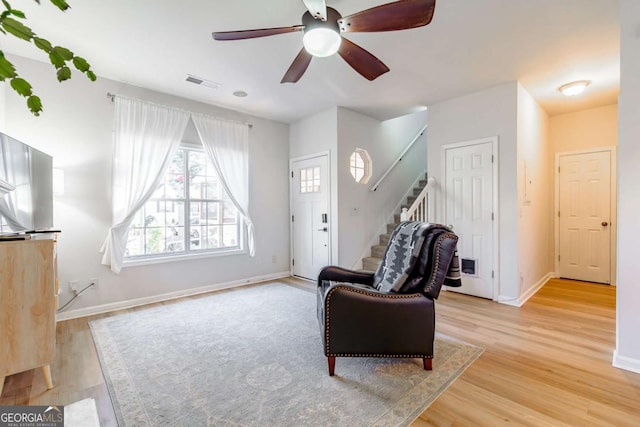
(46, 371)
(1, 384)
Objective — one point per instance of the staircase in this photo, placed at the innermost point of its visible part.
(377, 251)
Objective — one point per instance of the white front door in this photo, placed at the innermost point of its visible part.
(468, 206)
(310, 216)
(585, 216)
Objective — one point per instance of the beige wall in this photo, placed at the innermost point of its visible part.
(535, 196)
(582, 130)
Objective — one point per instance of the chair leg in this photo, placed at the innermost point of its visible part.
(332, 364)
(426, 362)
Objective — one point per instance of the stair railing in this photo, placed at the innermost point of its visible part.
(419, 210)
(399, 159)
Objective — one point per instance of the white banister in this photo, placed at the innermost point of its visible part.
(418, 211)
(399, 159)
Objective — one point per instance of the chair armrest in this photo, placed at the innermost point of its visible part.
(338, 274)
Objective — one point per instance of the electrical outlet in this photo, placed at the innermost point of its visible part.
(74, 286)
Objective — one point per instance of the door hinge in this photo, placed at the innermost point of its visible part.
(558, 257)
(291, 174)
(293, 262)
(492, 216)
(292, 218)
(492, 274)
(558, 214)
(558, 169)
(492, 158)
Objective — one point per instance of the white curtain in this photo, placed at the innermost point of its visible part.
(146, 138)
(227, 145)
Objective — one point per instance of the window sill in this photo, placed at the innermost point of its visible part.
(135, 262)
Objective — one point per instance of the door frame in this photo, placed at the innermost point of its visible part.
(613, 222)
(496, 199)
(331, 222)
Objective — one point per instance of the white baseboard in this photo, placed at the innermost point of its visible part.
(105, 308)
(519, 302)
(626, 363)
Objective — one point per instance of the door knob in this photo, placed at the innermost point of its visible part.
(323, 229)
(604, 223)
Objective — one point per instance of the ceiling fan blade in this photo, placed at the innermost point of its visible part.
(361, 60)
(298, 67)
(251, 34)
(317, 8)
(399, 15)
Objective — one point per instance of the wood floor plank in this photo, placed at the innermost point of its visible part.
(547, 363)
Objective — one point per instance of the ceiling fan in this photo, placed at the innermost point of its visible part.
(323, 26)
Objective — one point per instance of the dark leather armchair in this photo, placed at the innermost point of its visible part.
(389, 313)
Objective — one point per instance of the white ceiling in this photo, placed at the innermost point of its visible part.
(470, 45)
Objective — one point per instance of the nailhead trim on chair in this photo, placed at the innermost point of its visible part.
(436, 263)
(375, 295)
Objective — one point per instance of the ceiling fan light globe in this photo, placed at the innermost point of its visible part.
(321, 42)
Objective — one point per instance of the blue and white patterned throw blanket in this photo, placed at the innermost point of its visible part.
(403, 251)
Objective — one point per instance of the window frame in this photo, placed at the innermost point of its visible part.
(188, 253)
(367, 169)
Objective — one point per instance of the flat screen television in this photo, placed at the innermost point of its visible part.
(26, 187)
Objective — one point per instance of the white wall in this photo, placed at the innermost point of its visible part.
(627, 354)
(76, 129)
(384, 141)
(340, 131)
(583, 130)
(3, 90)
(317, 134)
(535, 196)
(491, 112)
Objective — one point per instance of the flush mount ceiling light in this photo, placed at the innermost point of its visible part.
(574, 88)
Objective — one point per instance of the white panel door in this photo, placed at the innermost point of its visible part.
(468, 203)
(585, 216)
(310, 216)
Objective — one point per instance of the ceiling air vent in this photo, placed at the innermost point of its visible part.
(201, 81)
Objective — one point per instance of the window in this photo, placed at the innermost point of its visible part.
(360, 166)
(310, 180)
(189, 212)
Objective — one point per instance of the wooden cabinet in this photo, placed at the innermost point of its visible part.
(28, 302)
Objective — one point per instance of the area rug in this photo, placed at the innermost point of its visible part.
(253, 356)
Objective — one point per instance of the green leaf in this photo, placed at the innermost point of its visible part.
(21, 86)
(6, 5)
(56, 59)
(64, 73)
(81, 64)
(34, 104)
(91, 76)
(65, 53)
(61, 4)
(17, 29)
(18, 13)
(7, 70)
(42, 44)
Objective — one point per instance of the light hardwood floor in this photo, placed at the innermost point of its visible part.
(547, 363)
